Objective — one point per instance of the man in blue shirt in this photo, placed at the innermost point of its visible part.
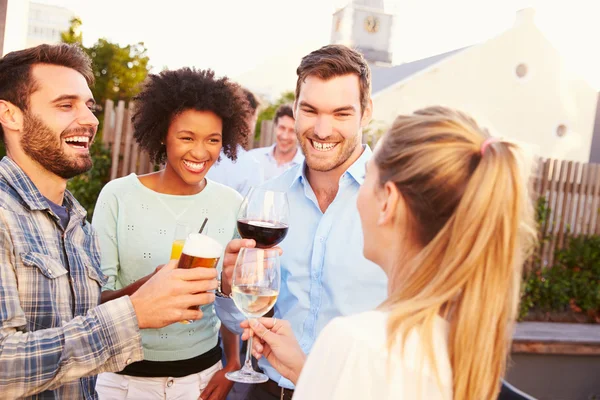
(245, 172)
(284, 153)
(324, 272)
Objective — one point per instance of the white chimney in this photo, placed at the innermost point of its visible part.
(525, 16)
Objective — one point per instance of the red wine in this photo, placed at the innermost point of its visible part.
(266, 234)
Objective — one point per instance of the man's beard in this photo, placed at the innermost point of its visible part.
(347, 148)
(42, 145)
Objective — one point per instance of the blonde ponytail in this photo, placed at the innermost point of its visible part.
(474, 220)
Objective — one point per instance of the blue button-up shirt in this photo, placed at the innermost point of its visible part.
(323, 271)
(265, 156)
(240, 175)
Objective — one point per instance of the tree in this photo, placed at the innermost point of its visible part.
(73, 34)
(119, 71)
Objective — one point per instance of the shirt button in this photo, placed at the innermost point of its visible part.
(50, 272)
(170, 383)
(128, 361)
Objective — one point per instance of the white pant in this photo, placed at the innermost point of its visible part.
(124, 387)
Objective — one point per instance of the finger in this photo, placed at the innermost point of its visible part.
(276, 325)
(268, 322)
(235, 245)
(205, 395)
(256, 354)
(261, 331)
(246, 334)
(194, 287)
(204, 285)
(257, 346)
(199, 299)
(190, 315)
(245, 324)
(197, 274)
(170, 266)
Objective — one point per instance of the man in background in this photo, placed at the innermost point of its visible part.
(245, 172)
(284, 153)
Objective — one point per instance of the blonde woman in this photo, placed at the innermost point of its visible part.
(446, 214)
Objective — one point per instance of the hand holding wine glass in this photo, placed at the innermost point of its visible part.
(255, 287)
(275, 340)
(262, 222)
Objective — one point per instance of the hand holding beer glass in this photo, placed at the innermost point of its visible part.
(254, 290)
(199, 251)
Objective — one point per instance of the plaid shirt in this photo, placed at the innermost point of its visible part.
(54, 337)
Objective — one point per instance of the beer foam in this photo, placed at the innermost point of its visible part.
(199, 245)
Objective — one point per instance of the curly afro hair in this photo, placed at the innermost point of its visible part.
(169, 93)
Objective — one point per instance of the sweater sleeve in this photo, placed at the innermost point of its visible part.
(104, 222)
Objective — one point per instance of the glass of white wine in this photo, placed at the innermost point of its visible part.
(254, 289)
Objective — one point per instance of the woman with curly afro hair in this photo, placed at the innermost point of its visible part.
(183, 119)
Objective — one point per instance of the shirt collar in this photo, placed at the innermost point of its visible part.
(270, 152)
(29, 193)
(356, 170)
(299, 175)
(298, 158)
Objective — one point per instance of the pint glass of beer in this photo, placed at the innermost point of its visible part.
(200, 251)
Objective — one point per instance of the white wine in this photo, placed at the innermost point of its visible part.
(253, 301)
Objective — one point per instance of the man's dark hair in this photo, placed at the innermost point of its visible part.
(284, 110)
(16, 81)
(169, 93)
(336, 60)
(252, 100)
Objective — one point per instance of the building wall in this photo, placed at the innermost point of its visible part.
(595, 151)
(482, 80)
(14, 31)
(46, 23)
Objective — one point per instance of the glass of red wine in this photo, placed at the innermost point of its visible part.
(263, 216)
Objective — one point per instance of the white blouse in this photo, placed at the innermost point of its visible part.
(350, 360)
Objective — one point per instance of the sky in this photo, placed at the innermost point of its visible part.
(261, 42)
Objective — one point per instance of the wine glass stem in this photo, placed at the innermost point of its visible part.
(248, 362)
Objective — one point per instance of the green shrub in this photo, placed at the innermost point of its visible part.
(571, 285)
(86, 187)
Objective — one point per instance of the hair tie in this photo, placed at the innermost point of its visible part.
(487, 142)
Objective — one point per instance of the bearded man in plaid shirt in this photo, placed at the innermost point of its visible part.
(54, 335)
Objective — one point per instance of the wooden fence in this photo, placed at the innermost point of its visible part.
(117, 134)
(572, 194)
(571, 189)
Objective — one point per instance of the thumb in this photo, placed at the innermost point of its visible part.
(171, 265)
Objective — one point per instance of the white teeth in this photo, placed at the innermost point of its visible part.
(194, 166)
(78, 139)
(323, 146)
